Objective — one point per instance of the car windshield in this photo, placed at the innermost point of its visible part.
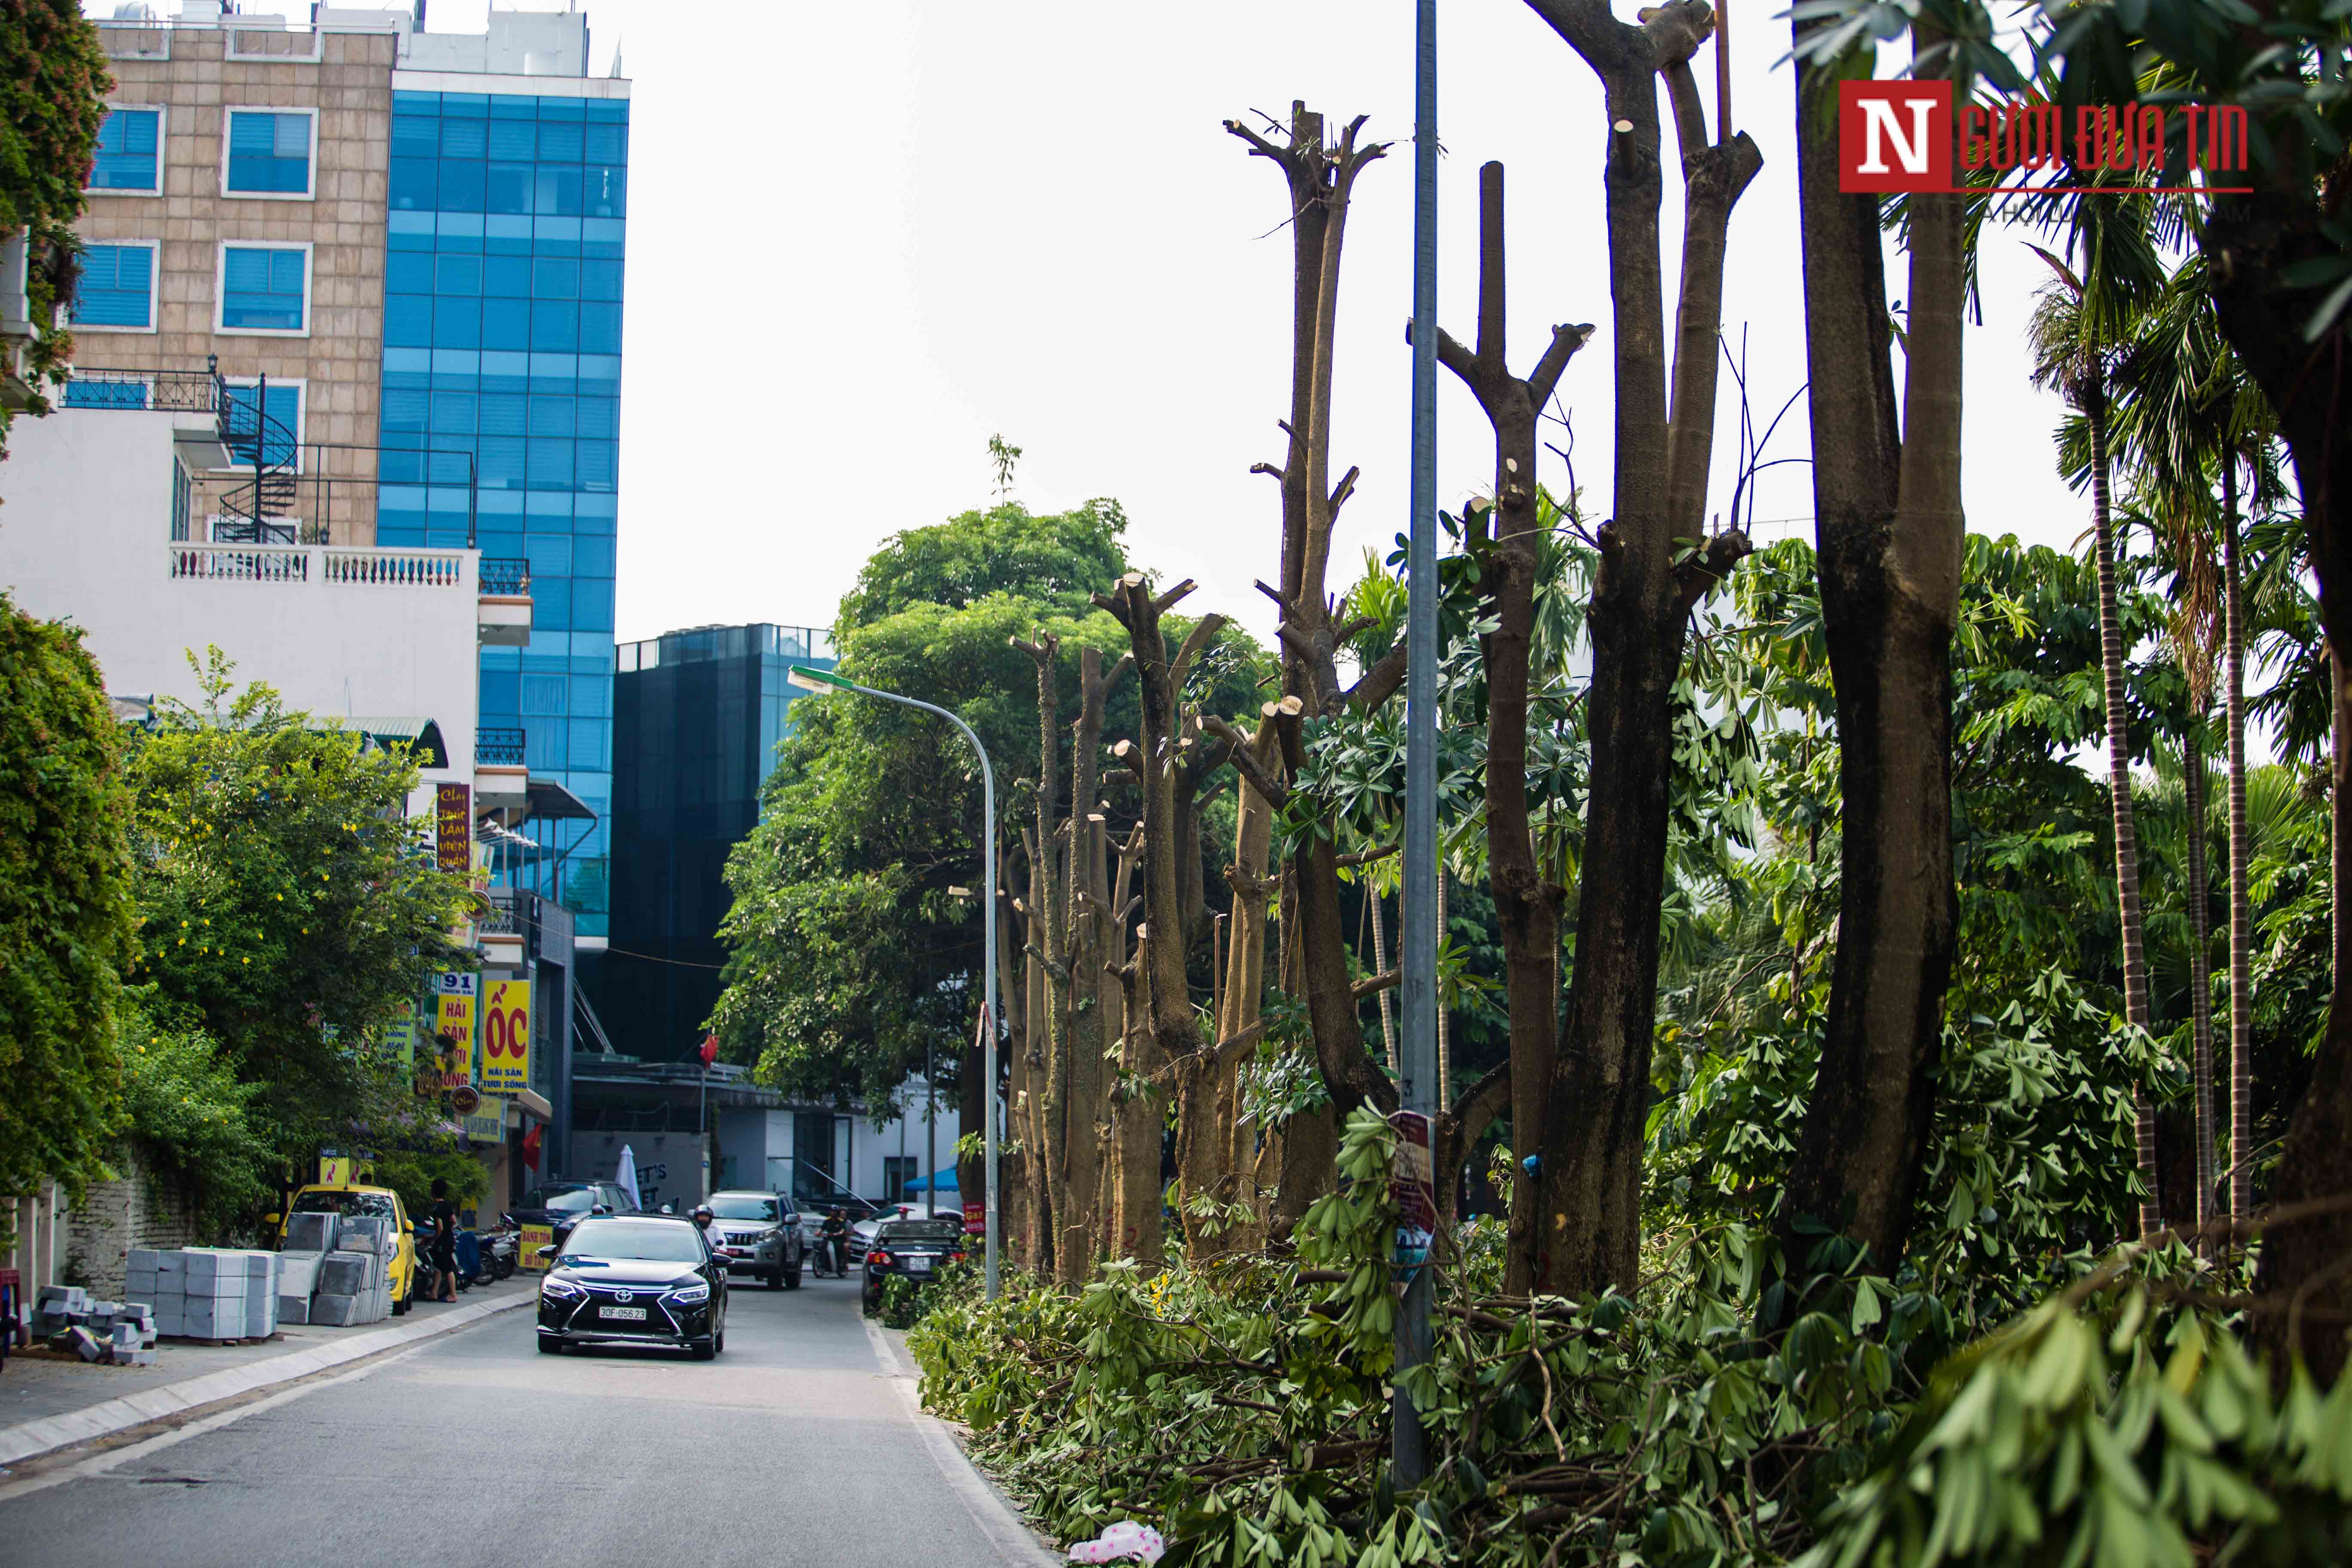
(922, 1230)
(727, 1205)
(562, 1200)
(376, 1205)
(633, 1240)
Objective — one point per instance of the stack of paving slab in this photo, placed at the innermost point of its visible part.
(209, 1293)
(128, 1326)
(309, 1238)
(353, 1282)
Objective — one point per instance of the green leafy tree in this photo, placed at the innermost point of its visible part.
(67, 926)
(53, 88)
(853, 953)
(290, 910)
(192, 1120)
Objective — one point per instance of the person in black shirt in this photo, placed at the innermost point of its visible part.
(444, 1243)
(833, 1239)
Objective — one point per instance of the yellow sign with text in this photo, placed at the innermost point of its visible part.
(506, 1037)
(533, 1238)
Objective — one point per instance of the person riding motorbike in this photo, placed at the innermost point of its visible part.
(703, 1219)
(832, 1242)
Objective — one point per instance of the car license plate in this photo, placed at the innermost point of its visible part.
(918, 1264)
(624, 1314)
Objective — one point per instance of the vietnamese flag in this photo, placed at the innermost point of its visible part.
(531, 1141)
(709, 1051)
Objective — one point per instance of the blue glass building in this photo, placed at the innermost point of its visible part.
(502, 339)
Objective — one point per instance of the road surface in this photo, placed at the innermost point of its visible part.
(794, 1448)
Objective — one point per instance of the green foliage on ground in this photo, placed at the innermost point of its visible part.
(67, 926)
(1242, 1410)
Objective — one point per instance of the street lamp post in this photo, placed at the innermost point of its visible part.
(824, 681)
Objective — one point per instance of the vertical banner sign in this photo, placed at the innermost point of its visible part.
(453, 827)
(528, 1243)
(506, 1037)
(1413, 1188)
(454, 996)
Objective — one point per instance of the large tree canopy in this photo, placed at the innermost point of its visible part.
(854, 951)
(66, 925)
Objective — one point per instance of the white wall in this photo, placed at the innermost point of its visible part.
(85, 536)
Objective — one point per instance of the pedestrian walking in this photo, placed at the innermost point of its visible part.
(444, 1243)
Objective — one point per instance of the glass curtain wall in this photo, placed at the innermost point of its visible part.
(502, 339)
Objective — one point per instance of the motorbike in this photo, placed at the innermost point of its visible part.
(830, 1256)
(501, 1247)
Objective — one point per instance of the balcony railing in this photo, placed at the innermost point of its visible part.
(157, 390)
(505, 576)
(396, 568)
(343, 565)
(498, 748)
(243, 563)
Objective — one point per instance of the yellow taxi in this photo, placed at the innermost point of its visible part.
(354, 1198)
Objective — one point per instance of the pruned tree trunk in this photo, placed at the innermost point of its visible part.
(1171, 1024)
(1243, 994)
(1889, 530)
(1140, 1106)
(1654, 569)
(2118, 717)
(1504, 539)
(1021, 1173)
(1321, 177)
(1082, 1230)
(2242, 914)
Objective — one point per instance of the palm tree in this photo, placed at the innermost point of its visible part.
(2076, 332)
(2185, 407)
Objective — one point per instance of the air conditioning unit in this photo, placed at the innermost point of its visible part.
(15, 280)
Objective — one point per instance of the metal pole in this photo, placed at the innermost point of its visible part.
(930, 1134)
(1420, 1090)
(818, 680)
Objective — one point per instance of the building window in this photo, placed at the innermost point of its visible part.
(281, 408)
(268, 153)
(265, 289)
(118, 288)
(130, 160)
(898, 1170)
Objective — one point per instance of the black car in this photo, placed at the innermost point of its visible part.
(633, 1280)
(917, 1248)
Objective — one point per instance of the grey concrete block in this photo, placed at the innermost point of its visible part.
(141, 1260)
(293, 1310)
(343, 1274)
(299, 1275)
(171, 1263)
(338, 1311)
(311, 1232)
(63, 1299)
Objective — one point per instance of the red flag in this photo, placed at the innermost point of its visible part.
(531, 1146)
(709, 1051)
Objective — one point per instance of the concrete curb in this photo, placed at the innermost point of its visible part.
(1015, 1542)
(104, 1420)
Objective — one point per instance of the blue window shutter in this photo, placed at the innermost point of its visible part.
(126, 152)
(285, 272)
(115, 282)
(246, 270)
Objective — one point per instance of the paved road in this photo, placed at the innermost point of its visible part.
(794, 1448)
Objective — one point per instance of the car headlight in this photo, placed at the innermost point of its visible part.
(560, 1290)
(770, 1234)
(686, 1296)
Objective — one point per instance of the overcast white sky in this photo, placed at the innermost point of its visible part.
(864, 237)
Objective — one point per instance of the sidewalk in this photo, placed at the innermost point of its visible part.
(47, 1404)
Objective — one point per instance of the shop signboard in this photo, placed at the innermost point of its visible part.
(454, 996)
(506, 1036)
(486, 1123)
(453, 828)
(532, 1238)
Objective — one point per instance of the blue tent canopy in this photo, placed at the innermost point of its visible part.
(947, 1180)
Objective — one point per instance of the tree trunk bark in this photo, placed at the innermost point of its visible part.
(1589, 1221)
(1243, 991)
(2242, 916)
(1889, 532)
(2200, 965)
(2118, 717)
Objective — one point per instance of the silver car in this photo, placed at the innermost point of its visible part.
(757, 1233)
